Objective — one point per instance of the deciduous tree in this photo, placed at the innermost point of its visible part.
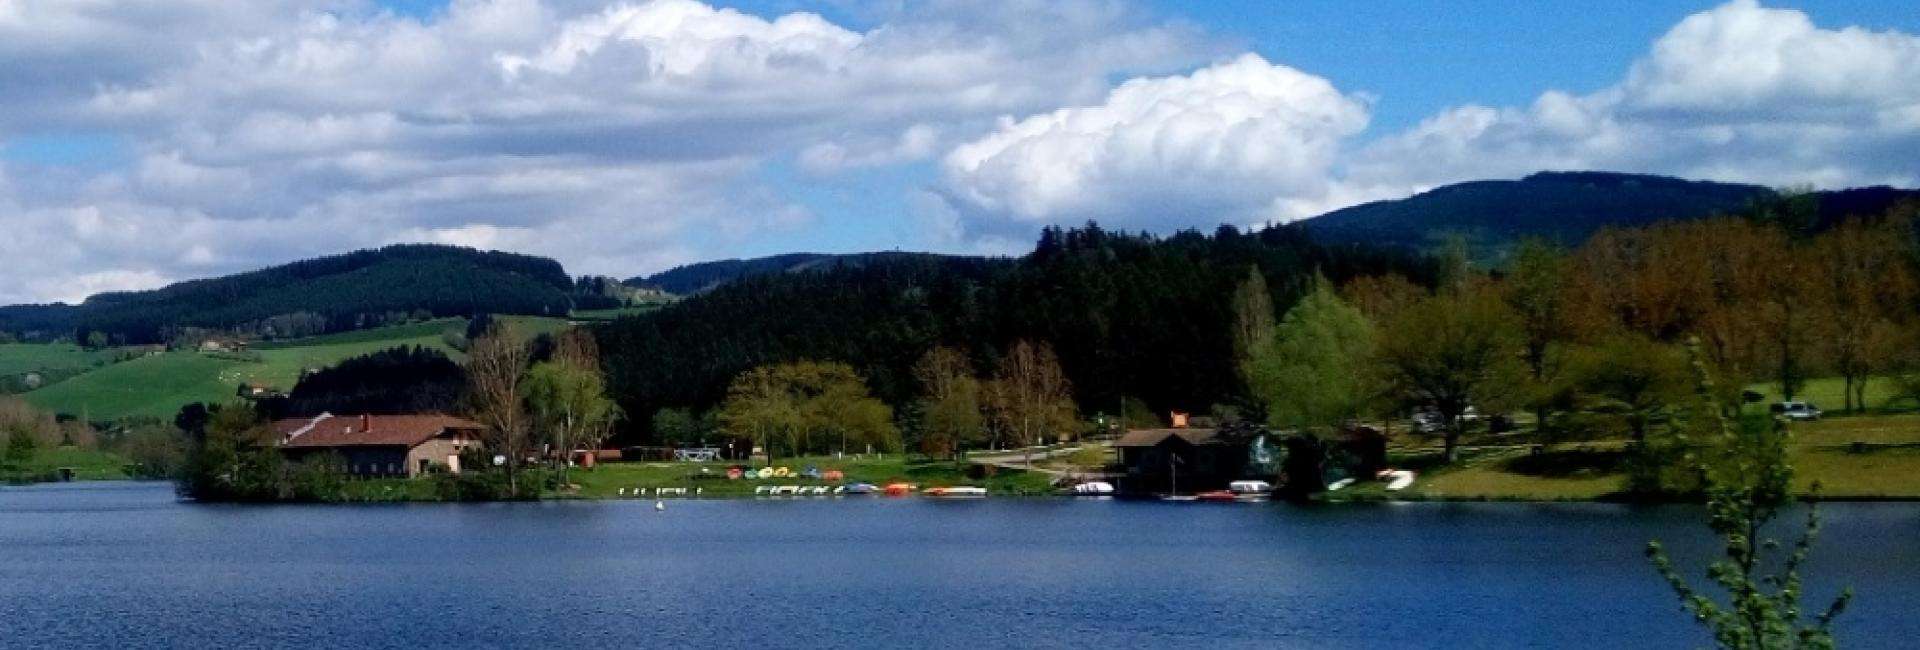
(496, 375)
(1450, 352)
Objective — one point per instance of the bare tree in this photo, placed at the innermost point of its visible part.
(496, 370)
(1032, 396)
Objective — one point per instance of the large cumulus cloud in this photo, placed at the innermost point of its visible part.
(1740, 92)
(620, 137)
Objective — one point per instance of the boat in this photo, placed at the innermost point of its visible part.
(958, 491)
(861, 488)
(1397, 480)
(1093, 488)
(898, 489)
(1217, 495)
(1179, 497)
(1250, 487)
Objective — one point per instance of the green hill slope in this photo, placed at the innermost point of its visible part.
(330, 294)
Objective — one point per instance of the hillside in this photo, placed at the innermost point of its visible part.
(1566, 207)
(158, 384)
(1131, 316)
(330, 294)
(705, 276)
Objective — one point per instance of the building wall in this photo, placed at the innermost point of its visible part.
(437, 451)
(366, 462)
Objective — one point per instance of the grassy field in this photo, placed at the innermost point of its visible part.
(1886, 465)
(158, 385)
(17, 358)
(613, 314)
(87, 465)
(606, 480)
(1828, 394)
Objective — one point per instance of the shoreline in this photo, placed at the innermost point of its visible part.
(1359, 499)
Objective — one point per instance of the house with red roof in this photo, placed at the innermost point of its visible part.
(381, 445)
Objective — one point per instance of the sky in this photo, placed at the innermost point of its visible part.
(148, 142)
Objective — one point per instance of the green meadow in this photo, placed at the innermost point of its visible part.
(158, 385)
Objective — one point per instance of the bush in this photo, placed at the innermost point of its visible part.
(318, 478)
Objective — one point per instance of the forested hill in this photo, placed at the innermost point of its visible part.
(1569, 206)
(1130, 315)
(695, 278)
(316, 296)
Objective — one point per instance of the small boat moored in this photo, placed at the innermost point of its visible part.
(956, 492)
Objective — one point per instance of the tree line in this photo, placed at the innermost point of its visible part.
(1131, 319)
(1591, 342)
(322, 295)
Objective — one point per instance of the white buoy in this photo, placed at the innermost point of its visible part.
(659, 506)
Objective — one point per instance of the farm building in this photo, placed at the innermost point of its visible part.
(381, 445)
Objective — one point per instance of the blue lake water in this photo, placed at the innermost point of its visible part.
(126, 565)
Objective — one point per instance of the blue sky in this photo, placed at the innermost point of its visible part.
(146, 144)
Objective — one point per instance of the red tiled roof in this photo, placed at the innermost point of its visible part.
(366, 430)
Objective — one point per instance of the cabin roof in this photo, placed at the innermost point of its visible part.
(1151, 437)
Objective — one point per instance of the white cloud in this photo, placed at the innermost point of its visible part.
(611, 135)
(1737, 93)
(1227, 141)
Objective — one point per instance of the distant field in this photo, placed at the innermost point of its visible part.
(613, 314)
(423, 329)
(17, 358)
(157, 386)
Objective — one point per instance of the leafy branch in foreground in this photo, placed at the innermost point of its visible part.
(1743, 494)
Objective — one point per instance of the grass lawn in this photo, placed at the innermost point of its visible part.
(87, 465)
(1888, 467)
(605, 480)
(1828, 393)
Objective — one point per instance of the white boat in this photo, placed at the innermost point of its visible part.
(1339, 485)
(1398, 480)
(959, 491)
(1093, 488)
(1250, 487)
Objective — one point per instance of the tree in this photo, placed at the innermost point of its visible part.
(1316, 375)
(1535, 288)
(1450, 352)
(235, 460)
(950, 402)
(1031, 396)
(807, 407)
(678, 426)
(1632, 379)
(1867, 281)
(1746, 490)
(154, 451)
(1253, 334)
(569, 399)
(760, 408)
(496, 373)
(20, 448)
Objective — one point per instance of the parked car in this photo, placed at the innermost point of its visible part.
(1795, 410)
(1429, 420)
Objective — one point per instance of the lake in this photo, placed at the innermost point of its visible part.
(124, 564)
